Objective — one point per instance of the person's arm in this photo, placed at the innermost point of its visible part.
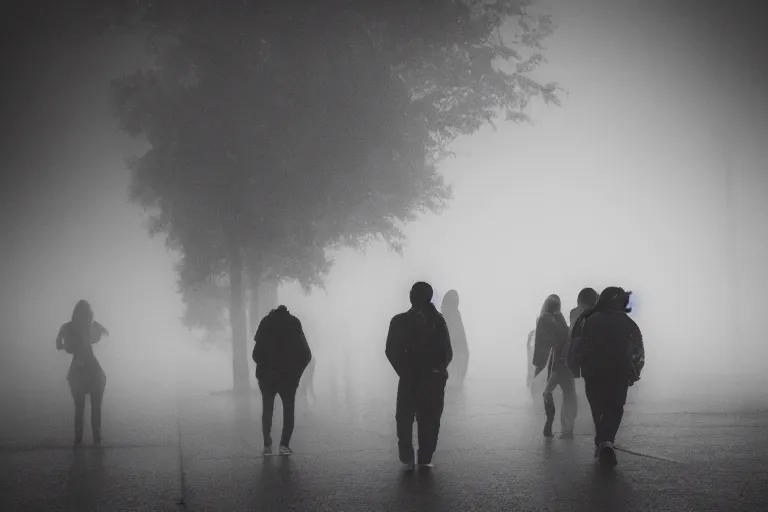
(445, 336)
(60, 338)
(305, 353)
(98, 332)
(394, 350)
(542, 344)
(637, 352)
(258, 348)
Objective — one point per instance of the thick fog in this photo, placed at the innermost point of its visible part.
(652, 176)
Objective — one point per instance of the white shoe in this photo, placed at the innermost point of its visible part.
(284, 450)
(267, 450)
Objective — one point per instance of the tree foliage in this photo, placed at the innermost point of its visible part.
(290, 127)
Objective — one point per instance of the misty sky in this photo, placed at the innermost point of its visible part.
(623, 185)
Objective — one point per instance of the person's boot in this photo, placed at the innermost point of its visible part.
(549, 409)
(607, 455)
(425, 461)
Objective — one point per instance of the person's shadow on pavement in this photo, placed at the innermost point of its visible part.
(277, 477)
(419, 487)
(609, 490)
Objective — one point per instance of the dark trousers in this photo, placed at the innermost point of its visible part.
(421, 399)
(96, 400)
(607, 395)
(563, 378)
(287, 392)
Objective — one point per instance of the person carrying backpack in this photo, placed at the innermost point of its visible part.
(419, 350)
(281, 354)
(607, 350)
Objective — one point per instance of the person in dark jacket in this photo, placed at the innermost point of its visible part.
(585, 301)
(549, 350)
(419, 349)
(608, 351)
(85, 376)
(452, 316)
(281, 354)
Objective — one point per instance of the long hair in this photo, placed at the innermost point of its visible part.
(82, 315)
(551, 305)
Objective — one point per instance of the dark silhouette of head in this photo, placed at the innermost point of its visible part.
(551, 305)
(82, 315)
(421, 295)
(587, 297)
(614, 298)
(450, 301)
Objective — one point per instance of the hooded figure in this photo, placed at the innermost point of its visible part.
(609, 353)
(85, 376)
(549, 350)
(281, 354)
(419, 350)
(452, 316)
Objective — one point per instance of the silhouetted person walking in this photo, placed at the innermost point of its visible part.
(549, 350)
(281, 354)
(85, 376)
(452, 316)
(607, 349)
(419, 349)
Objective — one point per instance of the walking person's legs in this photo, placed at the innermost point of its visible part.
(288, 397)
(405, 412)
(615, 396)
(614, 411)
(549, 403)
(592, 389)
(570, 405)
(97, 397)
(268, 393)
(429, 412)
(79, 397)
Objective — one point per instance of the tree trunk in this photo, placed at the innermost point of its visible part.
(240, 380)
(263, 295)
